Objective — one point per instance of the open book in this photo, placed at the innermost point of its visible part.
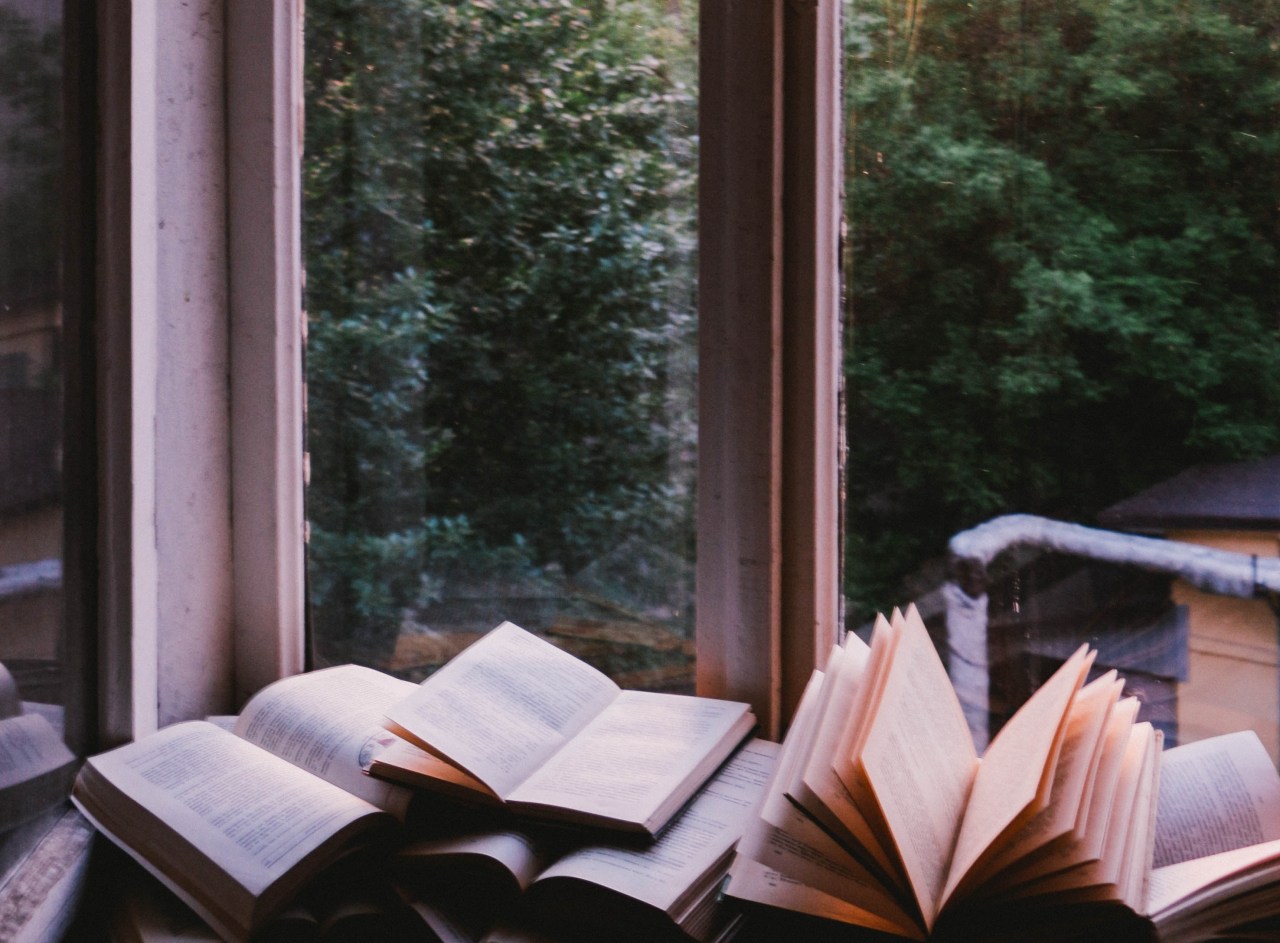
(881, 814)
(236, 823)
(520, 722)
(1217, 850)
(338, 909)
(466, 886)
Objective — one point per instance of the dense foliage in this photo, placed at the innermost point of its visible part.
(498, 197)
(1062, 285)
(1064, 235)
(30, 124)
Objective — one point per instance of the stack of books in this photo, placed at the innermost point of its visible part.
(332, 803)
(518, 796)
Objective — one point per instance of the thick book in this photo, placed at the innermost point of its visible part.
(1216, 866)
(237, 823)
(1075, 824)
(513, 720)
(491, 884)
(341, 907)
(881, 814)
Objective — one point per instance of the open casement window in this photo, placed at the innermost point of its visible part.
(499, 209)
(197, 350)
(1064, 411)
(498, 224)
(200, 275)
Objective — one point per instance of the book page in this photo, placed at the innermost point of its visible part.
(800, 733)
(250, 812)
(786, 839)
(1126, 859)
(1240, 897)
(1086, 843)
(1171, 887)
(1096, 764)
(36, 768)
(801, 851)
(920, 761)
(700, 836)
(1133, 883)
(628, 761)
(845, 677)
(514, 852)
(1133, 829)
(815, 786)
(1016, 775)
(29, 747)
(789, 803)
(847, 762)
(1106, 868)
(443, 925)
(1110, 770)
(1216, 795)
(885, 636)
(1076, 771)
(400, 761)
(750, 880)
(502, 706)
(329, 723)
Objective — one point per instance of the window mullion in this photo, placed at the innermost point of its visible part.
(769, 364)
(811, 443)
(264, 94)
(740, 304)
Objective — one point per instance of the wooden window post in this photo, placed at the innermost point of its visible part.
(769, 359)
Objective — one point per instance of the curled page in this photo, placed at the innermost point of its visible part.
(1216, 795)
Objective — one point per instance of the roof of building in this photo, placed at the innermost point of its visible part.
(1229, 496)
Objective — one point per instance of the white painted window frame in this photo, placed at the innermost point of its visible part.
(770, 446)
(200, 358)
(198, 381)
(200, 353)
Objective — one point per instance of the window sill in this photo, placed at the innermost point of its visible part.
(40, 891)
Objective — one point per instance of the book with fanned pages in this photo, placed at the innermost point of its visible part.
(882, 815)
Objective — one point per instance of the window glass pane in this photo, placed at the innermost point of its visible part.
(35, 765)
(1063, 297)
(499, 215)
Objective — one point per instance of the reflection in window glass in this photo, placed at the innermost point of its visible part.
(1063, 296)
(35, 765)
(499, 234)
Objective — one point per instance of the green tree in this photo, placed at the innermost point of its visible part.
(1064, 233)
(30, 160)
(496, 194)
